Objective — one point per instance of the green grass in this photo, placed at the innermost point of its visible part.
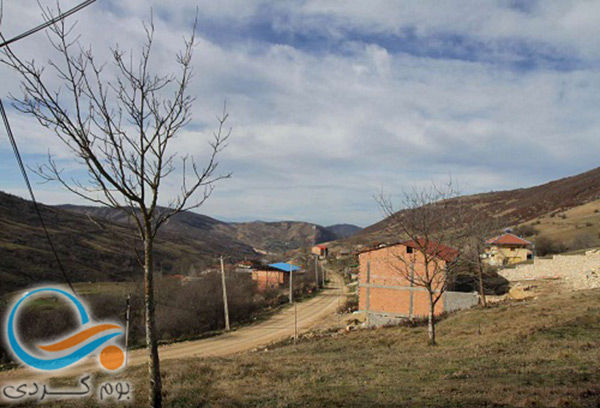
(542, 353)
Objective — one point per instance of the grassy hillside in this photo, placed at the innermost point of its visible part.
(87, 252)
(577, 224)
(282, 235)
(542, 353)
(188, 243)
(344, 230)
(577, 196)
(275, 237)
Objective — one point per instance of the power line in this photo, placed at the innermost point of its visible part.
(13, 142)
(48, 23)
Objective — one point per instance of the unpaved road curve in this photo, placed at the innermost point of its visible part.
(315, 312)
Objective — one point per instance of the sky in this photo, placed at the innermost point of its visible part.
(332, 102)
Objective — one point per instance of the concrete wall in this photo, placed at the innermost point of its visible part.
(459, 300)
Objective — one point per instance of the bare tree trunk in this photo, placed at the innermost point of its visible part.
(431, 321)
(155, 385)
(481, 289)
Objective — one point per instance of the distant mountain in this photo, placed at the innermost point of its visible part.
(92, 254)
(343, 230)
(188, 243)
(564, 209)
(264, 236)
(281, 236)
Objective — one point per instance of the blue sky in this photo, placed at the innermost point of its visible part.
(332, 101)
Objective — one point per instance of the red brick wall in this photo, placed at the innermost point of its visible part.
(268, 279)
(388, 269)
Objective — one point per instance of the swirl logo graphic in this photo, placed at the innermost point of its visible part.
(73, 347)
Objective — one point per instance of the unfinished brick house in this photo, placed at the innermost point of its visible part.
(273, 276)
(387, 296)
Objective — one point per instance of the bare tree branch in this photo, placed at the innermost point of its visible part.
(432, 222)
(119, 129)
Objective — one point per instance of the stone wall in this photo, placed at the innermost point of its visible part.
(576, 271)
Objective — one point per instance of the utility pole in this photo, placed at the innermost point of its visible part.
(224, 295)
(295, 323)
(291, 296)
(368, 290)
(317, 270)
(127, 327)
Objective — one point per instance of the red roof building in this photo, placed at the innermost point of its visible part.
(508, 240)
(387, 293)
(321, 250)
(507, 249)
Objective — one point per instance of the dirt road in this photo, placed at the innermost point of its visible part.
(315, 312)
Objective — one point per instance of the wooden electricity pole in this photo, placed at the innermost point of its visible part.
(291, 296)
(224, 295)
(317, 270)
(295, 323)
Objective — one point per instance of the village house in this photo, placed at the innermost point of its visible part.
(507, 249)
(247, 266)
(386, 295)
(320, 250)
(273, 276)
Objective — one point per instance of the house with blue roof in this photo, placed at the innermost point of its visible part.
(275, 275)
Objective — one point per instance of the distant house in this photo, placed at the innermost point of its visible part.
(343, 253)
(273, 276)
(247, 266)
(387, 297)
(507, 249)
(320, 250)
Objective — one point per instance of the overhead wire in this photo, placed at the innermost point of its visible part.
(15, 148)
(47, 23)
(13, 142)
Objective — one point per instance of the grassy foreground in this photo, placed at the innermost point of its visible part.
(540, 353)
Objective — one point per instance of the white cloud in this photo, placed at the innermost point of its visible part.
(318, 129)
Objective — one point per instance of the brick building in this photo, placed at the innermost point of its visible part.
(385, 293)
(320, 250)
(273, 276)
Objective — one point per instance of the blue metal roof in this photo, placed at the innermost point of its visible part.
(282, 266)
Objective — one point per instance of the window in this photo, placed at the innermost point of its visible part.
(409, 250)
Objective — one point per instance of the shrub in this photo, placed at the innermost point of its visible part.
(546, 246)
(526, 230)
(582, 241)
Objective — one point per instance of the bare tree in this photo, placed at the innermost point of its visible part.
(433, 224)
(482, 226)
(118, 127)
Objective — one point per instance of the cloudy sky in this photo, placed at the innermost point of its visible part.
(332, 101)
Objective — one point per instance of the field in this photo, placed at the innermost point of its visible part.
(577, 223)
(541, 353)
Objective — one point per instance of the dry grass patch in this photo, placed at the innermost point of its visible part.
(542, 353)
